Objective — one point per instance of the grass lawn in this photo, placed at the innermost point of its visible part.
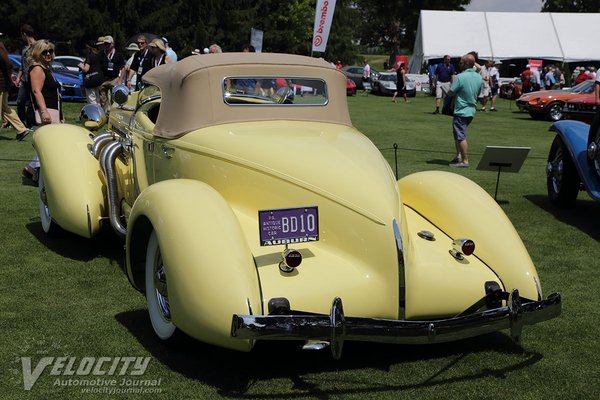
(69, 297)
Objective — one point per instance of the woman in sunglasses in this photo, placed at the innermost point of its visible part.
(44, 88)
(45, 92)
(142, 63)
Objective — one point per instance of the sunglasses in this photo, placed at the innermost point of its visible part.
(47, 52)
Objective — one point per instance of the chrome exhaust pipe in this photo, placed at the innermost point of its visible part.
(99, 142)
(103, 158)
(113, 150)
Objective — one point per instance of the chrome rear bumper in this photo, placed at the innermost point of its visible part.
(336, 328)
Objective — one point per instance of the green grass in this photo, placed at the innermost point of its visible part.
(69, 297)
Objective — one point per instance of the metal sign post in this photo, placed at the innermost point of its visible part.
(502, 159)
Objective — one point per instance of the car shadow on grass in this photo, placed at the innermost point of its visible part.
(236, 374)
(580, 215)
(66, 244)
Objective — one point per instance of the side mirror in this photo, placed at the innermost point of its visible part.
(120, 94)
(92, 116)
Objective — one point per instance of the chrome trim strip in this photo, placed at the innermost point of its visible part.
(89, 220)
(401, 271)
(336, 327)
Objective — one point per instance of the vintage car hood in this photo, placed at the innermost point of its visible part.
(549, 94)
(330, 160)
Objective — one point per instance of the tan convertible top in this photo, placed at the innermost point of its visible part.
(192, 91)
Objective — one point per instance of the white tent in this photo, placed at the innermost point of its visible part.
(505, 35)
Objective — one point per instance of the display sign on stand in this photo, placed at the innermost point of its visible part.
(502, 159)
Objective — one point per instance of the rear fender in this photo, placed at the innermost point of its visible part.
(210, 270)
(462, 209)
(575, 136)
(75, 188)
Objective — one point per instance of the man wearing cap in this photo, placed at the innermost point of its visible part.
(132, 48)
(170, 52)
(142, 62)
(113, 65)
(93, 76)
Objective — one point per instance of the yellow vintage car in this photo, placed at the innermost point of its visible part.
(252, 209)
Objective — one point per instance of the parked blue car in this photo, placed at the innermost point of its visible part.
(70, 82)
(574, 161)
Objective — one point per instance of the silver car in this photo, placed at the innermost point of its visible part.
(355, 72)
(385, 84)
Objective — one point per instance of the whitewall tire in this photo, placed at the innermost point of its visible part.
(156, 291)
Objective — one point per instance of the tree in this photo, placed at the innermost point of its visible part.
(588, 6)
(393, 24)
(188, 24)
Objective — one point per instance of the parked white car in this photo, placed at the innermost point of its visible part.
(71, 62)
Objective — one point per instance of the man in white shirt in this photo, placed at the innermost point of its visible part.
(494, 84)
(366, 75)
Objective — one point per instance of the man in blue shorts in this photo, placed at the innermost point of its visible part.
(465, 89)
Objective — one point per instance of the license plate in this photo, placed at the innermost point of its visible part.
(288, 225)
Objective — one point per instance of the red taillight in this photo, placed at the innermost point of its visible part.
(462, 247)
(468, 247)
(291, 259)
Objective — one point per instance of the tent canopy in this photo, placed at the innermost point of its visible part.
(505, 35)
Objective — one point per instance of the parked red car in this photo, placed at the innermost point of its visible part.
(581, 109)
(548, 104)
(350, 87)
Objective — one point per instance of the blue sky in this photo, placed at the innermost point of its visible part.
(505, 5)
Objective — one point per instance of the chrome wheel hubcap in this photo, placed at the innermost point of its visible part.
(554, 170)
(160, 285)
(555, 113)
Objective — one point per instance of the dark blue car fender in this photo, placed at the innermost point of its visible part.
(574, 134)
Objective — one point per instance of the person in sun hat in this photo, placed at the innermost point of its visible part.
(132, 48)
(170, 52)
(157, 46)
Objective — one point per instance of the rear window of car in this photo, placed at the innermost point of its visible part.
(274, 91)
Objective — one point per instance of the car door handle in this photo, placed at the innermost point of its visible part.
(167, 151)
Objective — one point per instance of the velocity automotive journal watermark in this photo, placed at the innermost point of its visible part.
(93, 374)
(106, 375)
